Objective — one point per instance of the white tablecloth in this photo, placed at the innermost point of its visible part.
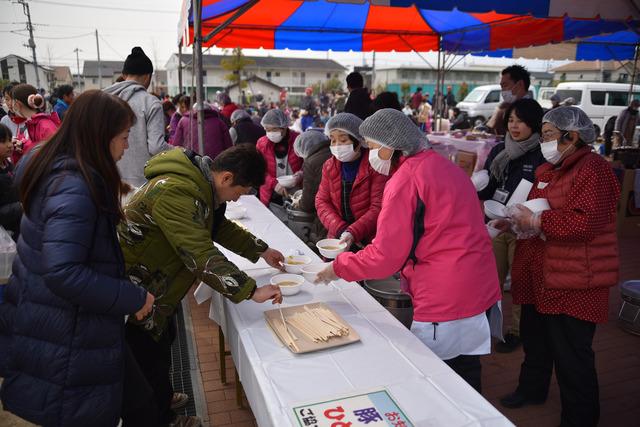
(388, 355)
(447, 145)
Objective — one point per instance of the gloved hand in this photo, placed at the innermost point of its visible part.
(347, 238)
(480, 179)
(280, 190)
(526, 222)
(298, 176)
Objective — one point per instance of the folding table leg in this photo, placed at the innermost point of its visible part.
(222, 353)
(239, 390)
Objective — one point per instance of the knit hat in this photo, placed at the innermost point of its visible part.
(275, 118)
(239, 114)
(137, 63)
(395, 130)
(307, 141)
(345, 122)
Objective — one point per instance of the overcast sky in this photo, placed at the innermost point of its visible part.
(64, 25)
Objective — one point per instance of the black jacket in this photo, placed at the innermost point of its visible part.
(312, 168)
(248, 132)
(522, 167)
(359, 103)
(10, 208)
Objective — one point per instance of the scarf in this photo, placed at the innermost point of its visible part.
(513, 150)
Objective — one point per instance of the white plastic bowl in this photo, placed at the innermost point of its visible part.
(310, 272)
(235, 212)
(295, 263)
(494, 210)
(537, 205)
(493, 232)
(288, 289)
(287, 181)
(334, 243)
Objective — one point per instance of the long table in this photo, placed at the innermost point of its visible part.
(447, 145)
(388, 356)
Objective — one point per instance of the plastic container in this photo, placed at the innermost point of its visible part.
(494, 210)
(310, 272)
(331, 248)
(287, 181)
(290, 284)
(537, 205)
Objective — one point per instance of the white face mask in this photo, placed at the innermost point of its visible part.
(507, 96)
(379, 165)
(344, 153)
(275, 136)
(550, 151)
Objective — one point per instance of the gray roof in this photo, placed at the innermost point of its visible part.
(109, 68)
(272, 62)
(251, 79)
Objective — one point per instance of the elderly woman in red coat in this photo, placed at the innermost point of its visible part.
(350, 195)
(565, 262)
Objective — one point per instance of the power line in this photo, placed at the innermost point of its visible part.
(87, 6)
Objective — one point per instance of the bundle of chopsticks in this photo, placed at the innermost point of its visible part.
(316, 324)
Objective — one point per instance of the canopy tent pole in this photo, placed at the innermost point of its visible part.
(197, 65)
(633, 73)
(180, 69)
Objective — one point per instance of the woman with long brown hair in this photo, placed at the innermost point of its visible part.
(62, 324)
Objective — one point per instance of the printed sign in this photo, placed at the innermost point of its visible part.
(376, 408)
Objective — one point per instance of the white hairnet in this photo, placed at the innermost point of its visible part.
(275, 118)
(345, 122)
(239, 114)
(393, 129)
(572, 118)
(307, 142)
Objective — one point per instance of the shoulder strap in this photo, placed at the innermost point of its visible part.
(418, 231)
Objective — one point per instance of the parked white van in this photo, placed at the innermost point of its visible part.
(481, 102)
(544, 96)
(601, 101)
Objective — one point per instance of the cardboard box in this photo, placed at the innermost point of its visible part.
(467, 161)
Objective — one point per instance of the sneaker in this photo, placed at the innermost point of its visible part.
(511, 342)
(518, 400)
(186, 421)
(179, 400)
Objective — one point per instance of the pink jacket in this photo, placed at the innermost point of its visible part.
(40, 127)
(455, 276)
(267, 148)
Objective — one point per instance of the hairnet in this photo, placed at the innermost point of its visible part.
(307, 142)
(346, 122)
(572, 118)
(275, 118)
(395, 130)
(239, 114)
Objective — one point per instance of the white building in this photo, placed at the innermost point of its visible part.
(295, 74)
(90, 78)
(18, 69)
(595, 71)
(255, 86)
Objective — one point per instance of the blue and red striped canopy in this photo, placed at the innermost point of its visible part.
(348, 26)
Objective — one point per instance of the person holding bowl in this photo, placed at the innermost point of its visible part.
(432, 231)
(562, 273)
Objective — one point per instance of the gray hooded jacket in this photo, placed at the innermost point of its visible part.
(146, 138)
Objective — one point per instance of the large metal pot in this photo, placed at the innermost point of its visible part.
(302, 224)
(388, 293)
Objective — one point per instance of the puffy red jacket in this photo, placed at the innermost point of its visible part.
(366, 199)
(40, 127)
(228, 109)
(267, 148)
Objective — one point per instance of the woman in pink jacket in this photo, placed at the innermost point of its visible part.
(27, 103)
(432, 230)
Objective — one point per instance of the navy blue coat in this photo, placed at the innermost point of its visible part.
(62, 323)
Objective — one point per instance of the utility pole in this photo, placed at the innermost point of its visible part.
(99, 63)
(32, 43)
(76, 50)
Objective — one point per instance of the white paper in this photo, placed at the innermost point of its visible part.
(521, 193)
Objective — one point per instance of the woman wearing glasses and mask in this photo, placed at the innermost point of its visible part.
(563, 270)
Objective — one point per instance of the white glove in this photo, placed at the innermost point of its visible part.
(347, 238)
(280, 189)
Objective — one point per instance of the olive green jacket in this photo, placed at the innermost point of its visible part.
(167, 238)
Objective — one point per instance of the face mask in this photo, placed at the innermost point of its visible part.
(274, 136)
(507, 96)
(344, 153)
(550, 151)
(381, 166)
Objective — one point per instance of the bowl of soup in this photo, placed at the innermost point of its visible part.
(287, 181)
(331, 248)
(295, 263)
(290, 284)
(310, 272)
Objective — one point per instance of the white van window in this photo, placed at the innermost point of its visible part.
(494, 96)
(546, 95)
(475, 96)
(598, 97)
(618, 99)
(567, 93)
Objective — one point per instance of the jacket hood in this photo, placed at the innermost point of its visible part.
(125, 90)
(45, 116)
(175, 162)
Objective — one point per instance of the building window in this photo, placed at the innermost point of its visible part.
(328, 76)
(277, 73)
(606, 76)
(623, 78)
(94, 81)
(269, 75)
(597, 97)
(335, 75)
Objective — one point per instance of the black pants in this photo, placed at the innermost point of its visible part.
(565, 342)
(148, 390)
(469, 368)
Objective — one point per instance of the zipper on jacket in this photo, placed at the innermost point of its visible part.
(435, 326)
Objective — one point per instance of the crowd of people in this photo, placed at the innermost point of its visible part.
(115, 212)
